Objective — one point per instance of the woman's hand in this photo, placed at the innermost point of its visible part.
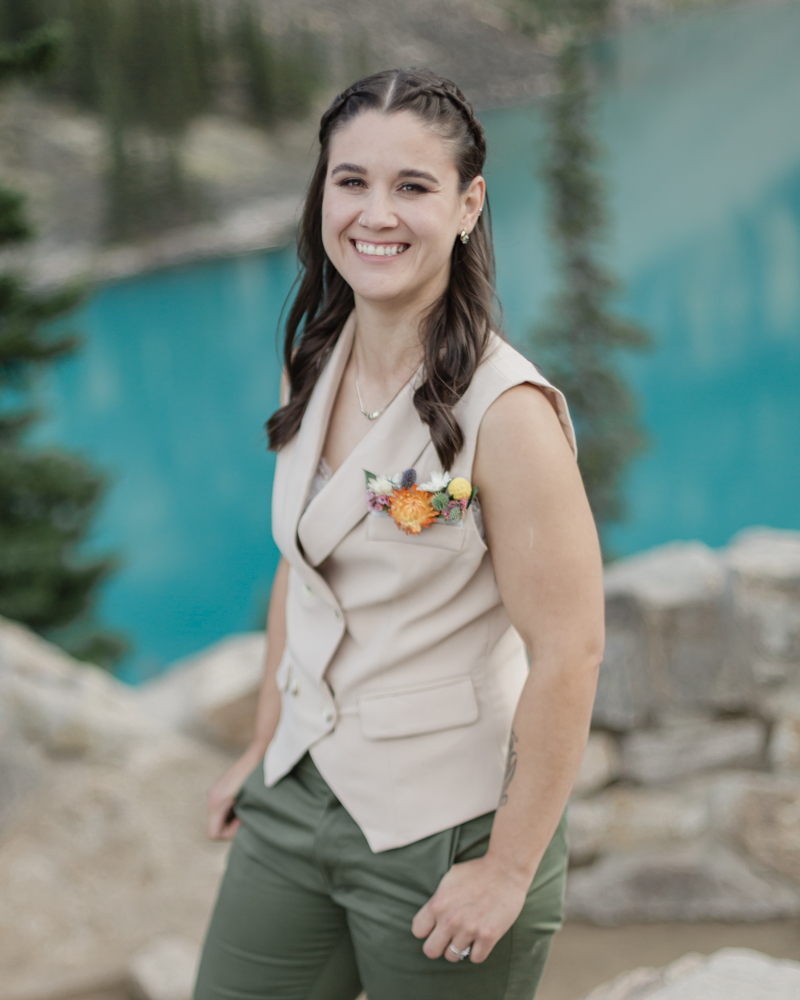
(222, 823)
(475, 905)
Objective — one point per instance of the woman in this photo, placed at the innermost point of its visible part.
(399, 816)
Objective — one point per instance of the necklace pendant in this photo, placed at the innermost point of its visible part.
(373, 416)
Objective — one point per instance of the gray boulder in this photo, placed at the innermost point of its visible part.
(698, 881)
(212, 694)
(599, 766)
(669, 623)
(660, 755)
(729, 974)
(623, 819)
(164, 969)
(65, 707)
(765, 568)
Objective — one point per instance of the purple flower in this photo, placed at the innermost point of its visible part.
(408, 479)
(377, 503)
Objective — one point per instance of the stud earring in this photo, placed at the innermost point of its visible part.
(464, 236)
(361, 221)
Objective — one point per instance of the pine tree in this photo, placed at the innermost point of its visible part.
(47, 498)
(579, 346)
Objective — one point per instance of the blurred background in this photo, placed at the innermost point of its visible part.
(644, 178)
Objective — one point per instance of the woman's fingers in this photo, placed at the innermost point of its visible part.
(424, 922)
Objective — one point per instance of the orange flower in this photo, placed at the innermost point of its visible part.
(411, 510)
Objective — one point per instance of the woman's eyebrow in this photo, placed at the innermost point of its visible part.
(421, 174)
(350, 168)
(354, 168)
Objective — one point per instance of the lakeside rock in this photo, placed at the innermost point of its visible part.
(212, 694)
(102, 844)
(684, 811)
(729, 974)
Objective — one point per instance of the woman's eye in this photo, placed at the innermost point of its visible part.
(351, 182)
(415, 188)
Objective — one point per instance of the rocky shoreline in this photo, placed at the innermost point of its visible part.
(686, 807)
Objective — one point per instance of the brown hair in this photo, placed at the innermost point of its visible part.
(456, 330)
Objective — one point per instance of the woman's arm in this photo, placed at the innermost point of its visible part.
(546, 557)
(222, 824)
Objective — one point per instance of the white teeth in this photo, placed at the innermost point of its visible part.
(380, 249)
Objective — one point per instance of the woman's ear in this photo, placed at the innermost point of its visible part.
(473, 204)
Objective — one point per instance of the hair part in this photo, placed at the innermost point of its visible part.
(456, 330)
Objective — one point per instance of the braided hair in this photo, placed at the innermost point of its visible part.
(456, 330)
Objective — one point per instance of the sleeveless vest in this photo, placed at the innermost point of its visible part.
(401, 672)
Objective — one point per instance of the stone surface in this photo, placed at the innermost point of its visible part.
(164, 969)
(765, 569)
(669, 621)
(99, 859)
(760, 815)
(66, 707)
(622, 819)
(696, 882)
(625, 695)
(213, 694)
(599, 765)
(729, 974)
(660, 755)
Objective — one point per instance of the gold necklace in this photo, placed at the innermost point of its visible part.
(376, 413)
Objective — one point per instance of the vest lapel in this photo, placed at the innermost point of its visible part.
(394, 443)
(307, 448)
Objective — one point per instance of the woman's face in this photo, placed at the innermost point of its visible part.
(392, 208)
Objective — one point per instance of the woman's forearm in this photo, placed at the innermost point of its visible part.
(547, 740)
(269, 698)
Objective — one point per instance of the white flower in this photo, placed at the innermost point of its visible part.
(396, 479)
(381, 486)
(438, 481)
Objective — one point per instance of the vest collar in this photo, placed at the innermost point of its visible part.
(394, 442)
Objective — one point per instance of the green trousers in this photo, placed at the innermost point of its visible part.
(306, 911)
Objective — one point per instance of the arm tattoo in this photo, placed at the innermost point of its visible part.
(511, 767)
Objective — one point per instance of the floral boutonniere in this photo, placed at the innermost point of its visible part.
(412, 507)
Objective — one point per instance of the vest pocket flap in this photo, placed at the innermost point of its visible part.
(413, 711)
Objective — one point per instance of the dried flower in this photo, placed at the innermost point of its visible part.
(440, 501)
(436, 482)
(411, 510)
(408, 479)
(381, 486)
(459, 488)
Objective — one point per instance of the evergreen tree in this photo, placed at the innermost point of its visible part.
(579, 347)
(47, 498)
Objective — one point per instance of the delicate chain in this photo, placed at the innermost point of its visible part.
(376, 413)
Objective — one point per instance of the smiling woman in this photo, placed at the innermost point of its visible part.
(401, 807)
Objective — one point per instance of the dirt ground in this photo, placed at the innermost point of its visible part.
(584, 956)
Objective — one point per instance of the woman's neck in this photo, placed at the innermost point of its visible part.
(387, 341)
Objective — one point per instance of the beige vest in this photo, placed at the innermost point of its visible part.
(401, 672)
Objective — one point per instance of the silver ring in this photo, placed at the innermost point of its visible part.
(461, 954)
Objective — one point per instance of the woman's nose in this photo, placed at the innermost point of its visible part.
(378, 212)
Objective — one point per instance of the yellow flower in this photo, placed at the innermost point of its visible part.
(459, 489)
(411, 510)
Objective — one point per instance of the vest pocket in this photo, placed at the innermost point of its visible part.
(413, 711)
(438, 536)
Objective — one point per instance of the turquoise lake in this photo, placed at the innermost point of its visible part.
(700, 121)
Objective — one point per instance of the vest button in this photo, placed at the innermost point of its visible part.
(294, 688)
(336, 615)
(327, 715)
(308, 593)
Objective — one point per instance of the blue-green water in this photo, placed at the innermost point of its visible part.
(700, 125)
